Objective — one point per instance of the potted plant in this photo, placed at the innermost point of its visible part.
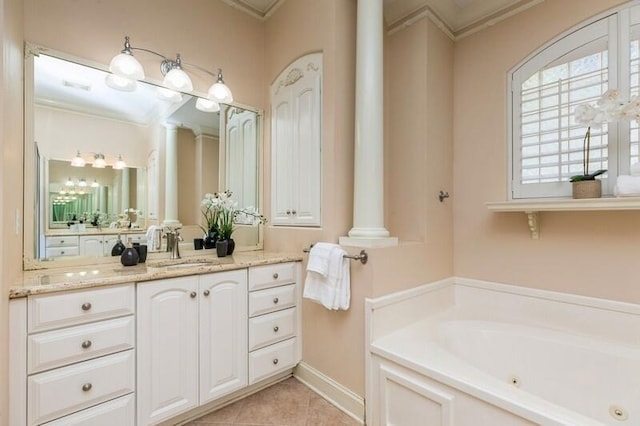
(210, 207)
(608, 108)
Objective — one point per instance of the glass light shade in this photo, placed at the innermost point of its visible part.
(123, 84)
(177, 79)
(207, 105)
(82, 183)
(169, 95)
(77, 161)
(220, 93)
(126, 66)
(99, 162)
(69, 182)
(120, 164)
(95, 184)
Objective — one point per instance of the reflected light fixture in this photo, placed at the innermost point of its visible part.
(120, 164)
(207, 105)
(99, 162)
(169, 95)
(95, 184)
(125, 66)
(82, 182)
(123, 84)
(69, 182)
(78, 161)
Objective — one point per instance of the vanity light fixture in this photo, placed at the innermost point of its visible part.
(82, 183)
(124, 65)
(78, 161)
(69, 183)
(120, 164)
(207, 105)
(95, 184)
(99, 162)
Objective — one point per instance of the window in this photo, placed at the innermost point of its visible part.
(546, 142)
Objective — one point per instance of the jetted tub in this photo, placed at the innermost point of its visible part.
(463, 352)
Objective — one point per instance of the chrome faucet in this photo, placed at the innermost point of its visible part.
(173, 242)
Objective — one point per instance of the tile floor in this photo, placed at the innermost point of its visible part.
(287, 403)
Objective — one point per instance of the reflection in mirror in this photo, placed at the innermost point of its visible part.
(73, 112)
(91, 196)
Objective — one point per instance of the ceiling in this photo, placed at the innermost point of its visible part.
(457, 15)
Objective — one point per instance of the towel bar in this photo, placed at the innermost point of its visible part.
(363, 257)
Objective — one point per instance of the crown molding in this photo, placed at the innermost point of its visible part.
(263, 15)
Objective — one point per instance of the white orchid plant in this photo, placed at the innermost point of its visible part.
(221, 214)
(610, 107)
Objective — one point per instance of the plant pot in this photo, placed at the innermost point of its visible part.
(221, 247)
(587, 189)
(210, 242)
(231, 246)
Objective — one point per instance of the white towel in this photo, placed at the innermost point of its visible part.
(152, 236)
(319, 258)
(627, 186)
(334, 290)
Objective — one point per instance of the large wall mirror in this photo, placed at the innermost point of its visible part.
(98, 160)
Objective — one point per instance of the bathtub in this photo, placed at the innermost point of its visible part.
(469, 353)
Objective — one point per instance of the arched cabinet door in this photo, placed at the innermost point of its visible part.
(296, 143)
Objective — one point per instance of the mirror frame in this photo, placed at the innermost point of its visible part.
(32, 177)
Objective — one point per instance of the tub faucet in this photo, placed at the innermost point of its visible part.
(173, 242)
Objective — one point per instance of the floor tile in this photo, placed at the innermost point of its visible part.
(288, 403)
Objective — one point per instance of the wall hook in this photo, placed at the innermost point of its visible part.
(442, 196)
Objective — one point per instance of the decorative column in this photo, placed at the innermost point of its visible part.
(171, 177)
(368, 192)
(124, 192)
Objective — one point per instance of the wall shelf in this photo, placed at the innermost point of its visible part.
(532, 208)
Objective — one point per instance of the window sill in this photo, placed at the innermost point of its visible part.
(532, 208)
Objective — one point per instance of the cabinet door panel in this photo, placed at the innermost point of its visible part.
(223, 334)
(282, 173)
(91, 246)
(167, 348)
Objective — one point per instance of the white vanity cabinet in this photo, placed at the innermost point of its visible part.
(91, 245)
(274, 323)
(62, 246)
(296, 137)
(80, 357)
(192, 342)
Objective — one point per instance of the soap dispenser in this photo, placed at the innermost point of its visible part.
(129, 256)
(118, 248)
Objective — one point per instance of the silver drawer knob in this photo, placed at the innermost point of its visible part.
(293, 212)
(275, 361)
(86, 306)
(193, 294)
(206, 292)
(275, 329)
(275, 300)
(86, 344)
(61, 241)
(86, 387)
(288, 211)
(275, 276)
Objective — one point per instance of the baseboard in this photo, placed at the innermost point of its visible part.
(343, 398)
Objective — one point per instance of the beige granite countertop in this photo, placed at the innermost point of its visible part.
(72, 278)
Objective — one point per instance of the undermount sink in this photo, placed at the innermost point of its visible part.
(183, 263)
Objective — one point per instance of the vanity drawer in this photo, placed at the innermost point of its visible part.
(135, 238)
(271, 360)
(272, 275)
(46, 312)
(120, 412)
(267, 329)
(65, 390)
(62, 251)
(265, 301)
(62, 347)
(68, 241)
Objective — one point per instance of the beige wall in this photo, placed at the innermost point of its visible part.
(188, 205)
(208, 33)
(11, 128)
(589, 253)
(418, 163)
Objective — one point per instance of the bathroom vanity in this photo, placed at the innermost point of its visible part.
(152, 344)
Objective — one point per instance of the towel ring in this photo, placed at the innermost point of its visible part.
(363, 257)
